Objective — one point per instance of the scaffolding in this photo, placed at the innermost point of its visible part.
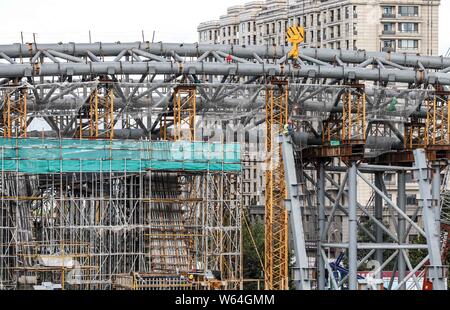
(99, 210)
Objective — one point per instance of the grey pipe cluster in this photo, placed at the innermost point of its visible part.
(239, 69)
(256, 52)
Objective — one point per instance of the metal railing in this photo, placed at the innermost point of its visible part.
(388, 32)
(388, 15)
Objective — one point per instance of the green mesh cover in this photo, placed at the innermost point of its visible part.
(40, 156)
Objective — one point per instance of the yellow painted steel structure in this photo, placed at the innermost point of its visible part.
(100, 116)
(184, 111)
(182, 116)
(437, 129)
(15, 114)
(353, 117)
(414, 134)
(276, 217)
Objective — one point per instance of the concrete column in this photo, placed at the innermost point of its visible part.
(352, 228)
(401, 202)
(378, 213)
(321, 204)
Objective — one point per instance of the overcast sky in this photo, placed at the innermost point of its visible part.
(114, 20)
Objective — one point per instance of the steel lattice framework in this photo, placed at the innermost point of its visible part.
(372, 111)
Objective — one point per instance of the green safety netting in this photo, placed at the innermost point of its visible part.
(40, 156)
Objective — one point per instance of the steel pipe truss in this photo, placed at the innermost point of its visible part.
(151, 91)
(69, 60)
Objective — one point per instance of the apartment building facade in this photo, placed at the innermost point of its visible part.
(409, 26)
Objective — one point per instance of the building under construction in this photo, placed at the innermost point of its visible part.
(121, 165)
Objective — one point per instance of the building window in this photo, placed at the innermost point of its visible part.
(408, 44)
(388, 44)
(411, 200)
(347, 28)
(388, 11)
(331, 16)
(355, 14)
(408, 27)
(347, 12)
(338, 14)
(388, 177)
(388, 28)
(355, 29)
(338, 28)
(408, 10)
(409, 178)
(354, 45)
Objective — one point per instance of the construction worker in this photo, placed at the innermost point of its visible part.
(288, 128)
(229, 59)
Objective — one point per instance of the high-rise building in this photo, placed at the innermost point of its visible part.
(409, 26)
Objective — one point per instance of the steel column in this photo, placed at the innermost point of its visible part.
(352, 228)
(294, 204)
(430, 226)
(401, 201)
(322, 219)
(378, 213)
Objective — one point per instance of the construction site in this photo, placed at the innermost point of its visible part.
(123, 166)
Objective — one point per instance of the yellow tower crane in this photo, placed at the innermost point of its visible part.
(276, 265)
